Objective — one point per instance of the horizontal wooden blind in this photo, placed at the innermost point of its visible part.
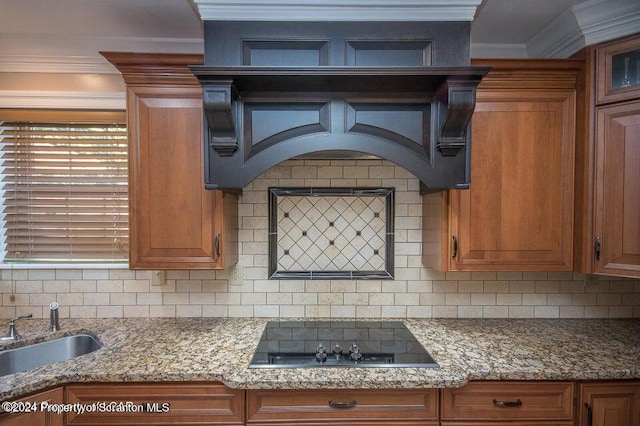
(64, 189)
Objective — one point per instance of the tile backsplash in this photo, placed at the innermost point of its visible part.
(332, 234)
(416, 291)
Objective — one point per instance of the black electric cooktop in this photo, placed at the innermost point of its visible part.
(301, 344)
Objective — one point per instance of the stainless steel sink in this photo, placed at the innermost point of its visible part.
(32, 356)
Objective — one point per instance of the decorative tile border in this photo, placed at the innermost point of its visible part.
(331, 233)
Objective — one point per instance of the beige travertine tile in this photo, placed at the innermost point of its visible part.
(110, 311)
(416, 291)
(547, 311)
(162, 311)
(495, 312)
(521, 312)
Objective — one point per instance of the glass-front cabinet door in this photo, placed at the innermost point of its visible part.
(618, 70)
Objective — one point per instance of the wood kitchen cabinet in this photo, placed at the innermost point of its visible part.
(343, 407)
(609, 404)
(617, 190)
(518, 213)
(33, 412)
(508, 403)
(158, 404)
(607, 189)
(174, 222)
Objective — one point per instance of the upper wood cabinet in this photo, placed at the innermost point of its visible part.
(617, 190)
(518, 212)
(608, 158)
(618, 70)
(174, 222)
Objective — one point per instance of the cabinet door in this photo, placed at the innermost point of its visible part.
(618, 70)
(33, 412)
(518, 212)
(174, 222)
(157, 404)
(617, 190)
(609, 404)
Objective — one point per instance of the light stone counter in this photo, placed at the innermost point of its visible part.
(215, 349)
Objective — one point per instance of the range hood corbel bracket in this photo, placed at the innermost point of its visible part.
(455, 101)
(220, 104)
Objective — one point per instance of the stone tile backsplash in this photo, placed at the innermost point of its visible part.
(331, 234)
(416, 291)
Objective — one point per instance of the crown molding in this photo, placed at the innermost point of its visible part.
(584, 25)
(62, 99)
(86, 60)
(337, 10)
(602, 20)
(55, 64)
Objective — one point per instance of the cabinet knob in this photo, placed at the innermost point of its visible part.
(597, 247)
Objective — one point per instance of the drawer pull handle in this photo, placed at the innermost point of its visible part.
(339, 404)
(216, 244)
(507, 404)
(454, 246)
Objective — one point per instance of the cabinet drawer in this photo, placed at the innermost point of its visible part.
(509, 401)
(375, 406)
(144, 404)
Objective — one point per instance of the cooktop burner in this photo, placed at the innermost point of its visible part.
(296, 344)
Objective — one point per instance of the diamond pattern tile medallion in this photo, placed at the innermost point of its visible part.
(331, 233)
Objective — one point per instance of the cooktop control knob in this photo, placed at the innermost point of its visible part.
(337, 351)
(355, 354)
(321, 354)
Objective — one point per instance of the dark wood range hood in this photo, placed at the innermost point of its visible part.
(400, 91)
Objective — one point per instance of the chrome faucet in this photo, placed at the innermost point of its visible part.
(12, 334)
(54, 325)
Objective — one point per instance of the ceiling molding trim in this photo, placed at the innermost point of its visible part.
(53, 56)
(560, 39)
(603, 21)
(62, 99)
(337, 10)
(584, 25)
(55, 64)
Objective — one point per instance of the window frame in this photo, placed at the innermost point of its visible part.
(64, 116)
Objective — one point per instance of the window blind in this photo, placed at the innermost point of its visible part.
(64, 188)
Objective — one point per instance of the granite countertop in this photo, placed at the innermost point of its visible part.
(217, 349)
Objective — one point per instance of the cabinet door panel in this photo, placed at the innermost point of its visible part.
(518, 211)
(37, 415)
(171, 221)
(617, 198)
(611, 404)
